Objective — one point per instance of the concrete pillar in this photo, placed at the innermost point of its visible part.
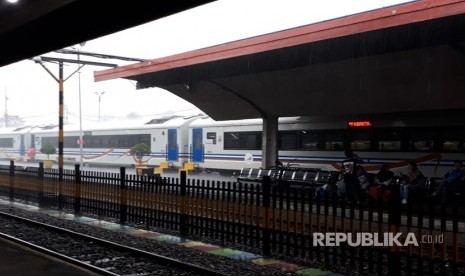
(269, 141)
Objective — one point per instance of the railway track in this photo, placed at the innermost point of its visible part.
(94, 254)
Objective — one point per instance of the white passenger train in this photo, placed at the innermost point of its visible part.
(232, 145)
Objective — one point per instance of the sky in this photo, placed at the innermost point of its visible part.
(32, 93)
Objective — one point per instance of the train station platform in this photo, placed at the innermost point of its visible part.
(292, 269)
(18, 260)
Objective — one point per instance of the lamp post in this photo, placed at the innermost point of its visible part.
(81, 140)
(99, 94)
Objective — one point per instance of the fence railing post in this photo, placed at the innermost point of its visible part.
(123, 214)
(394, 220)
(12, 180)
(61, 199)
(266, 188)
(183, 219)
(41, 187)
(77, 189)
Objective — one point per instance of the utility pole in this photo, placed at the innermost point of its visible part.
(61, 80)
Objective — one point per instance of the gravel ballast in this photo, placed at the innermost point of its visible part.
(218, 263)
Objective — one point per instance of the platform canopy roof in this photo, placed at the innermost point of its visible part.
(33, 27)
(395, 59)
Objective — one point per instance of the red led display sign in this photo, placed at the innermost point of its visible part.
(359, 124)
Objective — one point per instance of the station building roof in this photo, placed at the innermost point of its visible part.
(395, 59)
(33, 27)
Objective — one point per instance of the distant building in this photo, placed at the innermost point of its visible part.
(11, 121)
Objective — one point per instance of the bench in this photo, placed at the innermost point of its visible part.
(302, 177)
(432, 184)
(457, 194)
(250, 175)
(309, 178)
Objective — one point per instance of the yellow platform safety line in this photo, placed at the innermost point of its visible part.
(22, 159)
(188, 166)
(159, 169)
(164, 165)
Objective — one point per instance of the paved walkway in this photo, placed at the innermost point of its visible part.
(209, 248)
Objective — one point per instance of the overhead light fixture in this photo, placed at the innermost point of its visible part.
(12, 1)
(37, 59)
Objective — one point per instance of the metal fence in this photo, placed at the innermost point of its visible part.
(265, 218)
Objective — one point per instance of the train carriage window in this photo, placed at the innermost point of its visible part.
(102, 141)
(334, 140)
(231, 140)
(139, 138)
(198, 140)
(422, 140)
(389, 139)
(360, 140)
(172, 139)
(251, 140)
(113, 142)
(309, 140)
(70, 142)
(127, 141)
(6, 142)
(99, 141)
(96, 142)
(454, 140)
(50, 140)
(87, 140)
(121, 141)
(287, 140)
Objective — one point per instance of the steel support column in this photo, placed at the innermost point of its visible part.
(269, 141)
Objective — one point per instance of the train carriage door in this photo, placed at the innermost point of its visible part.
(33, 141)
(22, 146)
(173, 151)
(197, 145)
